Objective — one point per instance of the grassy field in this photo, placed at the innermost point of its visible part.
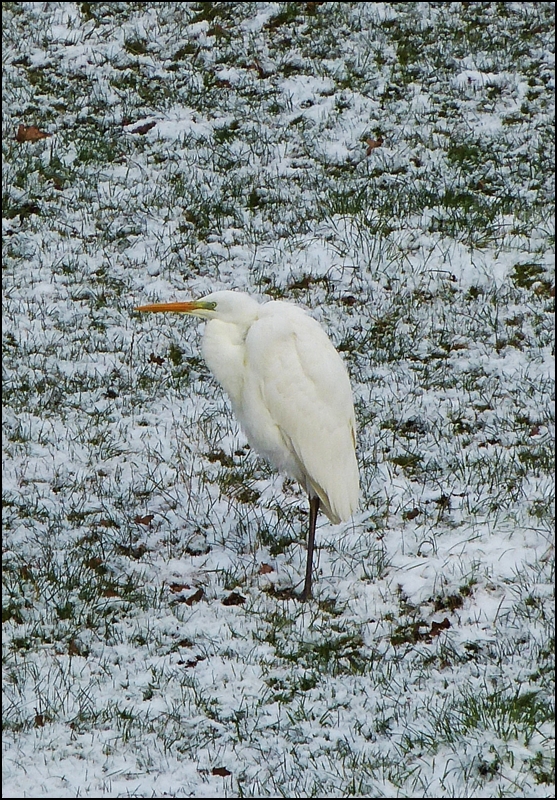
(389, 166)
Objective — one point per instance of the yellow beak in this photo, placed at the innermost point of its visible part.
(179, 306)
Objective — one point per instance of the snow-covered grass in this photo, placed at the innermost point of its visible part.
(390, 167)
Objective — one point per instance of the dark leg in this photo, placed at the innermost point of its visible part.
(313, 511)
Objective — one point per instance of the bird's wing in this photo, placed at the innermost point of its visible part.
(297, 382)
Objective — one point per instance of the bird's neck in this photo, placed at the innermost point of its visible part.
(223, 351)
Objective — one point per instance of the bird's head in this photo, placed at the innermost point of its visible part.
(234, 307)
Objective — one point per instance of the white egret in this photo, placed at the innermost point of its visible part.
(291, 393)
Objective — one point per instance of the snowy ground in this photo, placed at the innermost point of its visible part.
(390, 167)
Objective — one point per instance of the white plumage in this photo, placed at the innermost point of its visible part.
(290, 391)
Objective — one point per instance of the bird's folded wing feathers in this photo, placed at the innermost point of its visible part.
(305, 387)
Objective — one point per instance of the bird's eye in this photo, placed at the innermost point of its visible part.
(208, 305)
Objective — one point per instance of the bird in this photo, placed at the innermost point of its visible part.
(289, 390)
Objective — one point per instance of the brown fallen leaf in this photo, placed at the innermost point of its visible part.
(74, 648)
(146, 520)
(437, 627)
(373, 143)
(154, 359)
(30, 133)
(130, 551)
(192, 662)
(264, 569)
(312, 7)
(222, 771)
(143, 129)
(194, 598)
(234, 599)
(178, 587)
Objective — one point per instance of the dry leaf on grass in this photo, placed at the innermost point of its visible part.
(143, 129)
(146, 520)
(30, 133)
(178, 587)
(189, 601)
(234, 599)
(373, 143)
(437, 627)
